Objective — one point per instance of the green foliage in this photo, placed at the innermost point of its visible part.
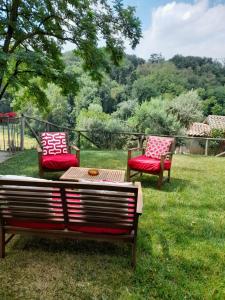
(33, 33)
(158, 79)
(101, 127)
(214, 100)
(143, 89)
(125, 109)
(152, 117)
(188, 93)
(187, 107)
(215, 145)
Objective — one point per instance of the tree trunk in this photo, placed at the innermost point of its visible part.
(11, 25)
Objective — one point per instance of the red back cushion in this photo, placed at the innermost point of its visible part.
(54, 143)
(157, 146)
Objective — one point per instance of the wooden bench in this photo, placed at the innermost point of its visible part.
(72, 210)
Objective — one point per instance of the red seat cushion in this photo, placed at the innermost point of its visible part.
(101, 230)
(147, 164)
(59, 162)
(35, 225)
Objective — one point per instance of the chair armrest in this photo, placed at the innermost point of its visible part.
(135, 149)
(167, 156)
(75, 148)
(140, 198)
(77, 152)
(39, 150)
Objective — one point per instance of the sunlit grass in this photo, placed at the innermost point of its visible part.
(181, 242)
(29, 142)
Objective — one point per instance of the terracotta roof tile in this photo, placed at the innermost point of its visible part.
(216, 122)
(199, 129)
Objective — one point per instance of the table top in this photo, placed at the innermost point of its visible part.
(77, 173)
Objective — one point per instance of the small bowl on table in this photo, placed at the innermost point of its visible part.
(93, 172)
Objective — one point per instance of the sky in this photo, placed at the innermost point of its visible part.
(186, 27)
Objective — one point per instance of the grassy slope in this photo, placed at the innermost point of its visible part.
(180, 246)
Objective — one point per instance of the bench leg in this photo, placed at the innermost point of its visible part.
(2, 242)
(133, 259)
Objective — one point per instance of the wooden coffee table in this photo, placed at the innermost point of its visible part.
(77, 173)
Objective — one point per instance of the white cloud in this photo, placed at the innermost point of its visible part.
(187, 29)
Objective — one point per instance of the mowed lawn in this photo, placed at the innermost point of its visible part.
(181, 242)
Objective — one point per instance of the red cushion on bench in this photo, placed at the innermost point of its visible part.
(102, 230)
(147, 164)
(59, 162)
(35, 225)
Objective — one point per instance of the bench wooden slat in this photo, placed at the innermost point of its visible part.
(71, 204)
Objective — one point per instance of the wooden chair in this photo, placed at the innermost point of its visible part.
(158, 160)
(55, 153)
(57, 209)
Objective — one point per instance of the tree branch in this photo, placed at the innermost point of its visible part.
(9, 79)
(12, 21)
(36, 32)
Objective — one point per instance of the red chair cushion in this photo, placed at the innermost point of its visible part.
(59, 162)
(54, 143)
(157, 146)
(101, 230)
(147, 164)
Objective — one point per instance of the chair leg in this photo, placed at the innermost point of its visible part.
(128, 173)
(168, 176)
(160, 180)
(41, 172)
(2, 242)
(133, 259)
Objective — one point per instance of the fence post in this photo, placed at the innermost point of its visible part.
(22, 126)
(78, 139)
(206, 147)
(9, 140)
(47, 127)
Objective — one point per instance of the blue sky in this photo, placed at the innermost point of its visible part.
(145, 7)
(186, 27)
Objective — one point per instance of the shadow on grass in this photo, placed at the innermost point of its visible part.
(175, 184)
(74, 247)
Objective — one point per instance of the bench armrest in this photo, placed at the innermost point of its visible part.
(140, 198)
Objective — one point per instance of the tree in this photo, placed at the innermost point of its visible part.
(187, 107)
(152, 117)
(156, 58)
(32, 35)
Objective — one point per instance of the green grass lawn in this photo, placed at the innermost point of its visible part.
(181, 242)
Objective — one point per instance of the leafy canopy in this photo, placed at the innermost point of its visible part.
(33, 33)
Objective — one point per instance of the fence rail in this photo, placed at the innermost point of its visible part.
(15, 132)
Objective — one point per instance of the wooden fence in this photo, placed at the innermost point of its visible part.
(10, 134)
(14, 133)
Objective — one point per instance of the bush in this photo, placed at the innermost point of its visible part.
(152, 117)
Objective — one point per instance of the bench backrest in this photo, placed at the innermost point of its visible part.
(84, 204)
